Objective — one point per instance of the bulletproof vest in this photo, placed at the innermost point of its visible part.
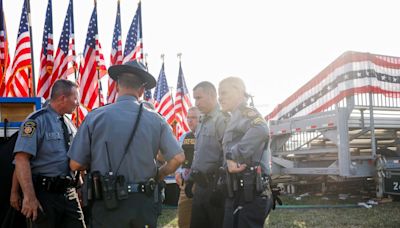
(188, 148)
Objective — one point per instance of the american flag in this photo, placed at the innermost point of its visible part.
(163, 99)
(134, 46)
(19, 82)
(116, 55)
(147, 95)
(65, 55)
(46, 56)
(182, 104)
(92, 62)
(350, 74)
(4, 54)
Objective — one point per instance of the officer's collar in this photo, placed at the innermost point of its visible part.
(127, 98)
(52, 111)
(211, 114)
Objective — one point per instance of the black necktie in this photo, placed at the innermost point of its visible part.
(65, 133)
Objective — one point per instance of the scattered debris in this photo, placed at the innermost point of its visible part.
(362, 204)
(343, 196)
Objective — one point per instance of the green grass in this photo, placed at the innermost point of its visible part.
(382, 215)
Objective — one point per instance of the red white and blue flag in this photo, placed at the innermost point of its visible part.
(182, 104)
(92, 68)
(20, 80)
(46, 56)
(116, 56)
(350, 74)
(163, 99)
(4, 53)
(65, 56)
(134, 46)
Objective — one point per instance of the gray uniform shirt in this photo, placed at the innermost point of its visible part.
(112, 125)
(246, 136)
(41, 135)
(208, 156)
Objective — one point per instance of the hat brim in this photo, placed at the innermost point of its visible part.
(116, 70)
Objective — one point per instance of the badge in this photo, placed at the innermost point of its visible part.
(29, 128)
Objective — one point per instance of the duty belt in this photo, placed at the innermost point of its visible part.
(57, 184)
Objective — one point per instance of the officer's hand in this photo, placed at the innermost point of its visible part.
(234, 167)
(189, 189)
(30, 207)
(15, 200)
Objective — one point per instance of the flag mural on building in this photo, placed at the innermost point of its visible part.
(134, 46)
(19, 80)
(92, 68)
(182, 104)
(46, 56)
(163, 99)
(116, 55)
(65, 54)
(4, 53)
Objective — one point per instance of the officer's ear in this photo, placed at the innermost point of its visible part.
(141, 90)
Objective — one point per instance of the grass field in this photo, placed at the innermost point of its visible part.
(381, 215)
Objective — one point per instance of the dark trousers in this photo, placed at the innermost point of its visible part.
(252, 214)
(204, 214)
(138, 210)
(59, 210)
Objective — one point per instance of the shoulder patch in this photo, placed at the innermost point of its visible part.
(29, 128)
(250, 113)
(257, 121)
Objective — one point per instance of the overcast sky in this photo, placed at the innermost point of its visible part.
(275, 46)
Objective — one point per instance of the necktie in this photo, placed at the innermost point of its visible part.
(65, 132)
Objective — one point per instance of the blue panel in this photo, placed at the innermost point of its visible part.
(20, 100)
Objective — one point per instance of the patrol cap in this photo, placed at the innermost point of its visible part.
(133, 67)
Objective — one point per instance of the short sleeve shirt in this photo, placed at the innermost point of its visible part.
(101, 140)
(41, 135)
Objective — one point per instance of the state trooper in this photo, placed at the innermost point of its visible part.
(207, 208)
(41, 162)
(187, 140)
(118, 145)
(244, 141)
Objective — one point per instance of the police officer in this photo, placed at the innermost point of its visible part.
(207, 209)
(118, 143)
(187, 140)
(41, 161)
(244, 141)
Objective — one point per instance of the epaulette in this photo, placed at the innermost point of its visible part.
(38, 113)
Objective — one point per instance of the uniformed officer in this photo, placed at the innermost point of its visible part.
(120, 142)
(244, 142)
(207, 209)
(41, 161)
(187, 140)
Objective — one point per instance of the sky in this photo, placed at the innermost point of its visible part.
(274, 46)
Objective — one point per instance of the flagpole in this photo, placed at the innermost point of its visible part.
(28, 10)
(99, 89)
